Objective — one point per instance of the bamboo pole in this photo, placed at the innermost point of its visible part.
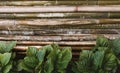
(60, 9)
(59, 15)
(75, 37)
(60, 23)
(74, 49)
(45, 3)
(61, 43)
(57, 22)
(58, 32)
(48, 3)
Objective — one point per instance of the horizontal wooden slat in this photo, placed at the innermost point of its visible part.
(59, 23)
(54, 22)
(24, 48)
(60, 9)
(48, 3)
(59, 15)
(75, 37)
(63, 43)
(57, 32)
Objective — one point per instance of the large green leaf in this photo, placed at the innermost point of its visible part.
(2, 47)
(7, 68)
(64, 58)
(102, 41)
(115, 45)
(110, 62)
(98, 59)
(32, 51)
(41, 57)
(6, 46)
(22, 66)
(5, 58)
(85, 63)
(31, 62)
(49, 66)
(10, 46)
(41, 54)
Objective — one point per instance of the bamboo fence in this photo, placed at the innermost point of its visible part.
(74, 23)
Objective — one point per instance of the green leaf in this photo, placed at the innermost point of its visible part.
(10, 46)
(85, 63)
(64, 58)
(48, 48)
(30, 62)
(2, 47)
(49, 66)
(32, 51)
(6, 46)
(115, 45)
(41, 54)
(98, 59)
(22, 66)
(5, 58)
(102, 41)
(7, 68)
(110, 62)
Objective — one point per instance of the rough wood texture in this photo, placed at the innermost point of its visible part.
(14, 9)
(59, 23)
(48, 3)
(59, 15)
(74, 23)
(60, 37)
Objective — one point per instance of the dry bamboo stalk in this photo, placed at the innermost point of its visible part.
(58, 32)
(24, 48)
(36, 24)
(56, 22)
(60, 15)
(45, 3)
(60, 9)
(48, 3)
(73, 53)
(62, 43)
(75, 37)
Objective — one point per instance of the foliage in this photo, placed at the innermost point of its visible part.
(49, 59)
(103, 58)
(6, 56)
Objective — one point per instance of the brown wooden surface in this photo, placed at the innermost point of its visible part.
(74, 23)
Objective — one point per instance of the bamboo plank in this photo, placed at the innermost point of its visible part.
(14, 9)
(75, 37)
(61, 43)
(49, 3)
(24, 48)
(60, 15)
(60, 23)
(58, 32)
(57, 22)
(45, 3)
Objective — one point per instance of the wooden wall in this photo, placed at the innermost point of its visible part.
(74, 23)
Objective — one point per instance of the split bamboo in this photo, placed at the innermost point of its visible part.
(48, 3)
(13, 9)
(59, 15)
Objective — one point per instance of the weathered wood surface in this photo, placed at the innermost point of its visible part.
(58, 32)
(59, 23)
(75, 23)
(59, 15)
(13, 9)
(62, 37)
(48, 3)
